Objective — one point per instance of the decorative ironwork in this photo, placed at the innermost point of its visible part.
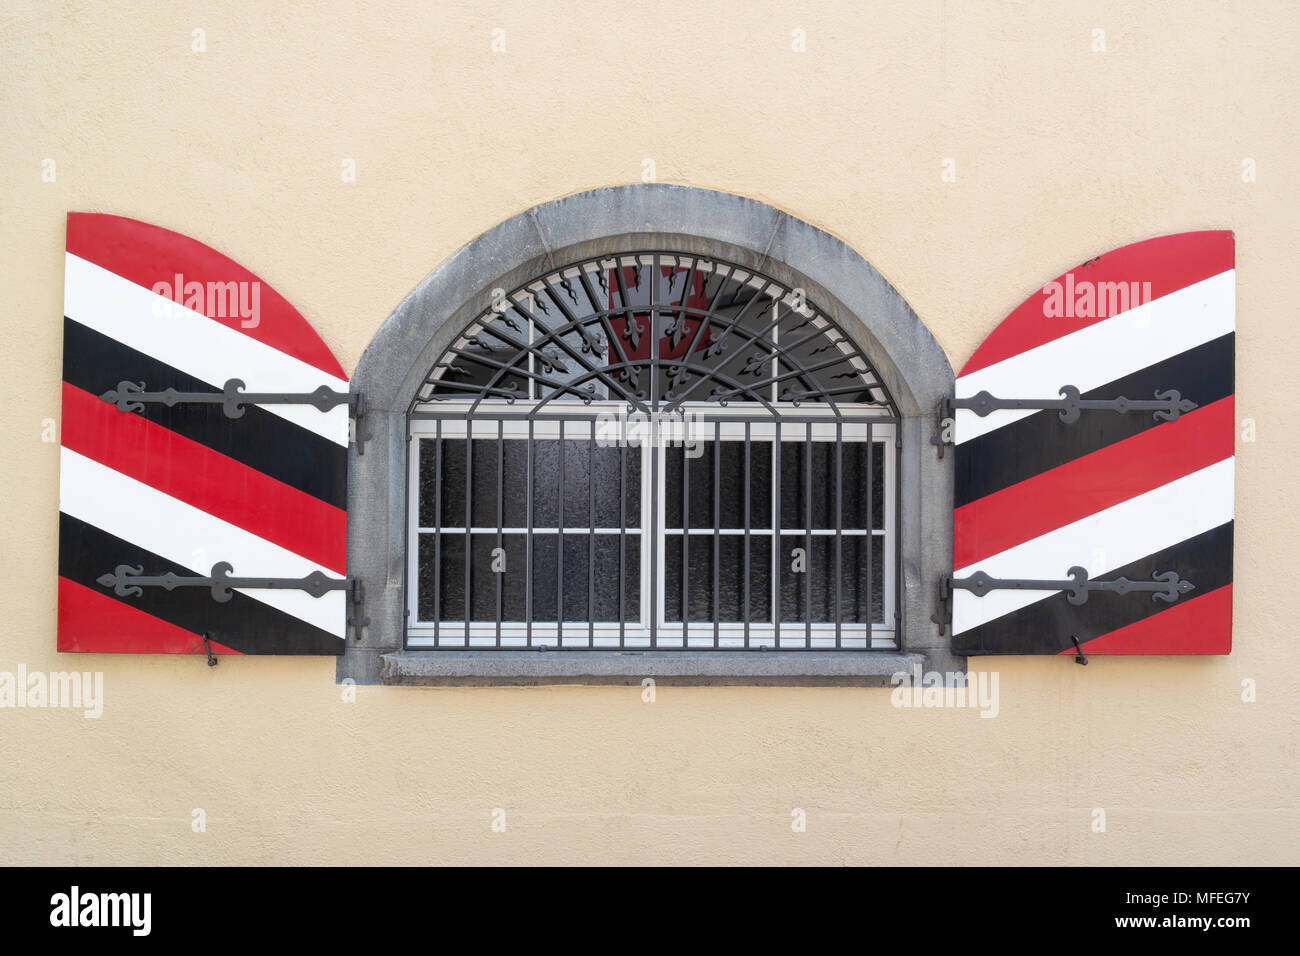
(659, 333)
(133, 396)
(130, 580)
(1166, 406)
(1166, 586)
(652, 331)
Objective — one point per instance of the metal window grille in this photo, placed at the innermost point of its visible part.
(652, 450)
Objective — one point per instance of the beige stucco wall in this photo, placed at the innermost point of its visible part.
(1061, 153)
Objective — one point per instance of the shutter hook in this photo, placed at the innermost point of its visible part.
(1079, 658)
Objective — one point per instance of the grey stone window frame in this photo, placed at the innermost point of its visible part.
(626, 219)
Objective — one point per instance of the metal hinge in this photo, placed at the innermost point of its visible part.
(132, 397)
(1166, 406)
(1165, 586)
(130, 581)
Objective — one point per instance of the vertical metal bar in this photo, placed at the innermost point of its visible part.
(748, 479)
(871, 524)
(559, 551)
(655, 532)
(686, 546)
(469, 523)
(654, 328)
(437, 531)
(591, 537)
(528, 542)
(501, 498)
(839, 524)
(776, 361)
(652, 335)
(717, 523)
(807, 541)
(777, 556)
(622, 537)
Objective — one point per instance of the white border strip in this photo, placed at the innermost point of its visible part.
(183, 534)
(1101, 542)
(190, 341)
(1103, 352)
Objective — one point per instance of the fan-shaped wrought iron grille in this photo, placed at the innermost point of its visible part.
(652, 450)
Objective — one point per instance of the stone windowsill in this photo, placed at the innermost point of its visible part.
(788, 668)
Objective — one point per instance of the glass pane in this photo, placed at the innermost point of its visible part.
(730, 593)
(815, 585)
(546, 483)
(501, 341)
(589, 468)
(809, 343)
(878, 579)
(569, 355)
(458, 474)
(428, 608)
(604, 465)
(490, 571)
(548, 567)
(878, 486)
(505, 571)
(515, 473)
(794, 503)
(853, 503)
(611, 551)
(730, 481)
(428, 500)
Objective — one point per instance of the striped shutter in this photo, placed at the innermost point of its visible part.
(1122, 495)
(156, 489)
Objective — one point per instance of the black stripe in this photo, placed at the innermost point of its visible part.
(243, 623)
(262, 441)
(1045, 627)
(1040, 441)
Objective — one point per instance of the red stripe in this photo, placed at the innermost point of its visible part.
(1200, 625)
(1082, 487)
(1169, 263)
(208, 480)
(94, 623)
(148, 255)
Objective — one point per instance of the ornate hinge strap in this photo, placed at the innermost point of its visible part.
(132, 397)
(1166, 586)
(128, 580)
(1166, 407)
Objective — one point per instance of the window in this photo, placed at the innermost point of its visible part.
(652, 450)
(676, 321)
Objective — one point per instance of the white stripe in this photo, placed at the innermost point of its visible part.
(1101, 542)
(193, 343)
(1103, 352)
(183, 534)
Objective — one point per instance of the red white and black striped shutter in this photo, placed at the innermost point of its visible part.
(1124, 495)
(160, 489)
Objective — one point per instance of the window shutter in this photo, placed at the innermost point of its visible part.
(1083, 518)
(163, 496)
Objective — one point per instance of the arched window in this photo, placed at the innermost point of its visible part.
(675, 431)
(652, 450)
